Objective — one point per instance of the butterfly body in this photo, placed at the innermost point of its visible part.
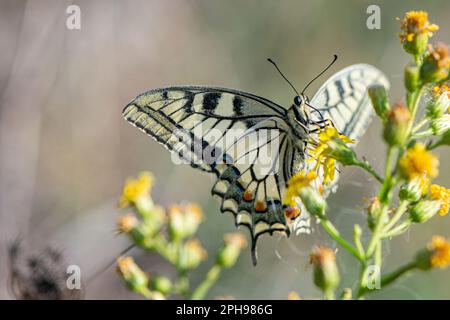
(251, 144)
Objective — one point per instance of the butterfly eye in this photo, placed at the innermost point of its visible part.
(297, 100)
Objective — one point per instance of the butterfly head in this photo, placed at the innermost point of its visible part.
(299, 100)
(299, 107)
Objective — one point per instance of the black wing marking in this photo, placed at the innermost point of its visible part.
(343, 98)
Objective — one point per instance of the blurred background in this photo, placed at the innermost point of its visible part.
(65, 149)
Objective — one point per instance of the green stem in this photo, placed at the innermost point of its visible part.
(328, 294)
(366, 166)
(419, 125)
(435, 144)
(423, 134)
(398, 214)
(377, 232)
(394, 275)
(357, 241)
(362, 280)
(182, 285)
(379, 254)
(211, 278)
(390, 277)
(334, 233)
(397, 230)
(387, 184)
(413, 107)
(415, 103)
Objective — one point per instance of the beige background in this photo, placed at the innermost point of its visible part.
(65, 150)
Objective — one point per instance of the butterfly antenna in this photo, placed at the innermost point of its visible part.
(281, 73)
(324, 70)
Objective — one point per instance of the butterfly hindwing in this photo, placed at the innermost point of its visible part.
(343, 98)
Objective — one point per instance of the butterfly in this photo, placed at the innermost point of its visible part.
(195, 122)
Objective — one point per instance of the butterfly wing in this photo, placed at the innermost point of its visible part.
(344, 99)
(239, 137)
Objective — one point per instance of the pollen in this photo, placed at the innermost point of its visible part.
(443, 195)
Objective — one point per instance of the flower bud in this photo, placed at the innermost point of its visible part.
(415, 32)
(326, 274)
(436, 65)
(183, 221)
(378, 96)
(136, 279)
(414, 189)
(313, 201)
(191, 255)
(441, 125)
(126, 223)
(439, 102)
(417, 46)
(412, 77)
(373, 211)
(424, 211)
(162, 284)
(229, 253)
(397, 125)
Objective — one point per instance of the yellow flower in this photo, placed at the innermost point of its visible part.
(443, 195)
(329, 147)
(414, 23)
(444, 88)
(440, 252)
(136, 189)
(417, 161)
(296, 182)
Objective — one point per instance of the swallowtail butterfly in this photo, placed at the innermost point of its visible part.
(195, 121)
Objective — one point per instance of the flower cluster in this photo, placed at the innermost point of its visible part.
(410, 167)
(171, 234)
(415, 31)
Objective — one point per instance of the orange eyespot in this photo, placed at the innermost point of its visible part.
(292, 212)
(260, 206)
(248, 195)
